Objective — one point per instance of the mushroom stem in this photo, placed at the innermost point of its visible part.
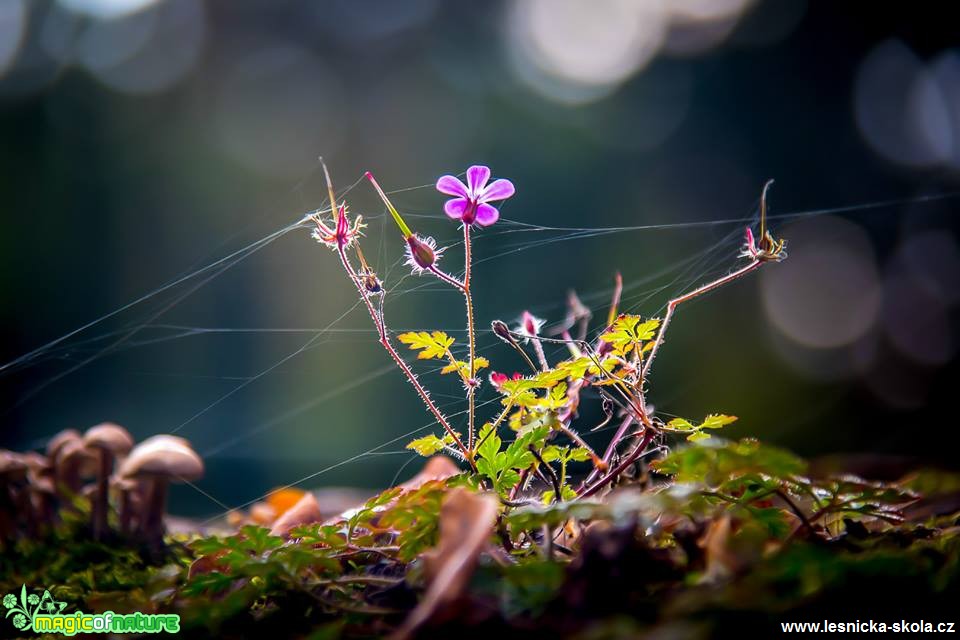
(152, 514)
(126, 511)
(98, 512)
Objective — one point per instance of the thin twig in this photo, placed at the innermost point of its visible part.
(629, 460)
(551, 474)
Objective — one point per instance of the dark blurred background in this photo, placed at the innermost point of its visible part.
(143, 140)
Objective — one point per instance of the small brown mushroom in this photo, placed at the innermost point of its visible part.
(165, 438)
(38, 499)
(109, 441)
(71, 465)
(43, 496)
(13, 472)
(130, 500)
(160, 462)
(56, 442)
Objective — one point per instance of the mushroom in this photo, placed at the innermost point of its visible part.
(56, 442)
(13, 470)
(72, 463)
(129, 501)
(43, 496)
(39, 490)
(54, 447)
(160, 462)
(109, 441)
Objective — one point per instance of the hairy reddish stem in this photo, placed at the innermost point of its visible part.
(464, 288)
(611, 448)
(471, 338)
(385, 341)
(648, 434)
(696, 293)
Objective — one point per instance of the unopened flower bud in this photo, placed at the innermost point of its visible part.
(502, 331)
(422, 253)
(530, 325)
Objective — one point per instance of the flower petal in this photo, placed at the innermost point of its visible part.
(456, 207)
(486, 214)
(477, 177)
(451, 186)
(497, 190)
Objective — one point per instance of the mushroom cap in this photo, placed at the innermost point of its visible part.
(43, 485)
(74, 452)
(123, 484)
(37, 462)
(12, 464)
(109, 437)
(165, 438)
(56, 442)
(162, 458)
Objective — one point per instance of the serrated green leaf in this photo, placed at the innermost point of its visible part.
(431, 345)
(551, 453)
(427, 445)
(716, 421)
(490, 443)
(628, 332)
(579, 455)
(681, 424)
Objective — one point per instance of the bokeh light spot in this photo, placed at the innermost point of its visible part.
(106, 9)
(298, 98)
(13, 26)
(575, 51)
(828, 293)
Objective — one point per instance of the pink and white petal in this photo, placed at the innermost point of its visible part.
(486, 214)
(497, 190)
(477, 177)
(456, 207)
(451, 186)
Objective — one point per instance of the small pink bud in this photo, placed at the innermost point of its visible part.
(422, 253)
(530, 325)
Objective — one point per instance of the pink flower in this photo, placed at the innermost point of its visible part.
(471, 202)
(343, 234)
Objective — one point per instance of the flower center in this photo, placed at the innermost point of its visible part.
(470, 214)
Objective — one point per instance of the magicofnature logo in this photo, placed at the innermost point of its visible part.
(28, 606)
(44, 614)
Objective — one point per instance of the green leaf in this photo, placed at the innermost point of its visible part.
(716, 421)
(518, 453)
(427, 445)
(579, 455)
(698, 436)
(556, 397)
(566, 491)
(715, 465)
(551, 453)
(491, 443)
(258, 539)
(681, 424)
(628, 332)
(432, 345)
(463, 368)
